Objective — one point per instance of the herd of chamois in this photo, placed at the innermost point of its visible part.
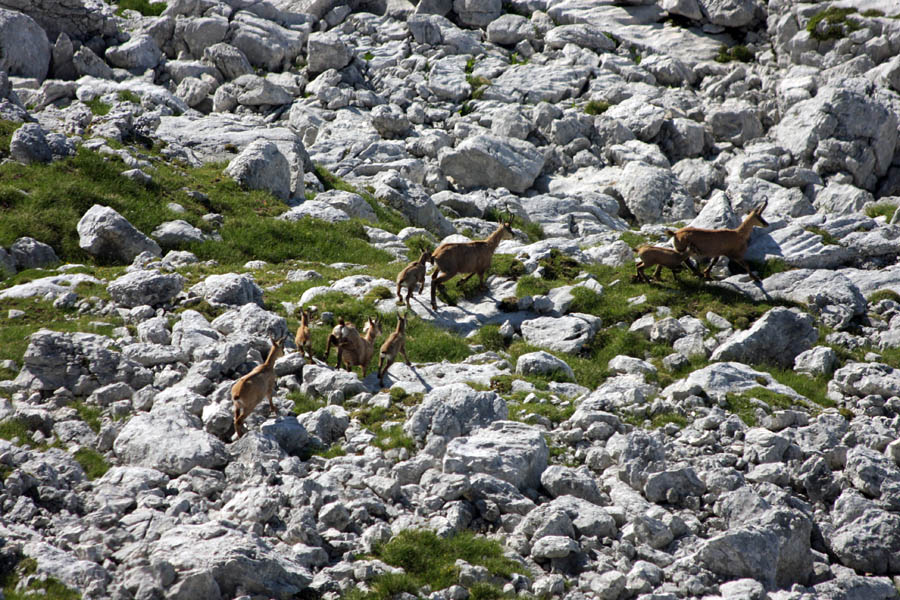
(471, 258)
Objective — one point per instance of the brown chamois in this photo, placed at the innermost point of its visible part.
(660, 257)
(713, 243)
(394, 345)
(411, 275)
(357, 349)
(304, 337)
(259, 383)
(339, 331)
(466, 257)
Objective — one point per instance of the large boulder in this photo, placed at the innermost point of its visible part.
(215, 560)
(563, 334)
(508, 450)
(24, 48)
(28, 253)
(326, 50)
(145, 287)
(29, 145)
(229, 288)
(169, 440)
(491, 161)
(454, 410)
(775, 338)
(866, 537)
(108, 236)
(477, 13)
(842, 130)
(79, 19)
(654, 195)
(137, 54)
(262, 166)
(79, 362)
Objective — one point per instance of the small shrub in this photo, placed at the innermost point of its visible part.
(837, 25)
(872, 12)
(596, 107)
(368, 56)
(739, 53)
(827, 238)
(489, 336)
(880, 295)
(881, 209)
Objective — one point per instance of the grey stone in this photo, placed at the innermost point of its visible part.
(563, 334)
(454, 410)
(145, 288)
(654, 195)
(137, 54)
(29, 144)
(107, 235)
(230, 61)
(24, 48)
(173, 233)
(543, 363)
(228, 288)
(262, 166)
(866, 538)
(29, 253)
(775, 338)
(508, 450)
(490, 161)
(327, 51)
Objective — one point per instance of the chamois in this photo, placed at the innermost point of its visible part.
(466, 257)
(358, 349)
(304, 337)
(337, 334)
(395, 344)
(660, 257)
(259, 383)
(713, 243)
(411, 275)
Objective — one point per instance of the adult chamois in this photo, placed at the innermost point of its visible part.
(355, 349)
(412, 275)
(259, 383)
(713, 243)
(658, 256)
(394, 345)
(466, 257)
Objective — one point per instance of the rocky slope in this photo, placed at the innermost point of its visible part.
(751, 455)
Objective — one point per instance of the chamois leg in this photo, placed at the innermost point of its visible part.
(238, 421)
(640, 275)
(694, 269)
(708, 269)
(741, 262)
(405, 357)
(271, 395)
(331, 340)
(383, 371)
(409, 295)
(657, 274)
(438, 281)
(400, 295)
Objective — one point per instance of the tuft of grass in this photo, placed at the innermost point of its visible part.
(880, 295)
(417, 245)
(430, 560)
(837, 25)
(15, 428)
(46, 589)
(333, 451)
(634, 239)
(7, 128)
(739, 53)
(878, 209)
(813, 388)
(129, 96)
(520, 411)
(489, 336)
(872, 12)
(596, 107)
(145, 7)
(827, 238)
(303, 403)
(92, 462)
(98, 107)
(89, 414)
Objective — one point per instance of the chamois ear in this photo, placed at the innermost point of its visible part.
(759, 209)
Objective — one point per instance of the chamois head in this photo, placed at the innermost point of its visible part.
(425, 257)
(277, 350)
(374, 325)
(755, 215)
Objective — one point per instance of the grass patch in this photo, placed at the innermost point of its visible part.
(417, 245)
(145, 7)
(333, 451)
(15, 428)
(89, 414)
(634, 239)
(827, 238)
(489, 336)
(880, 295)
(48, 589)
(881, 209)
(430, 560)
(303, 403)
(596, 107)
(39, 314)
(813, 388)
(520, 411)
(745, 404)
(129, 96)
(98, 107)
(92, 462)
(739, 53)
(374, 418)
(837, 25)
(7, 128)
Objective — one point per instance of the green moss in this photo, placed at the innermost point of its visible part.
(739, 53)
(368, 56)
(92, 462)
(506, 265)
(827, 238)
(837, 25)
(146, 8)
(15, 428)
(129, 96)
(881, 209)
(417, 245)
(596, 107)
(98, 107)
(633, 239)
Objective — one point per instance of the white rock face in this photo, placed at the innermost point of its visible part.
(513, 452)
(107, 235)
(262, 166)
(24, 49)
(140, 288)
(490, 161)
